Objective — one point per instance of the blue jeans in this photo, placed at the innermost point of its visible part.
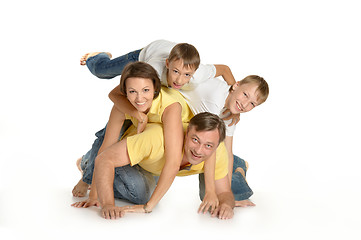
(240, 188)
(133, 184)
(102, 66)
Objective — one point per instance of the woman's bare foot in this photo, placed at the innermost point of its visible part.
(80, 189)
(92, 54)
(244, 203)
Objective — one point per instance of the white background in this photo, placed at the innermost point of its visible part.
(301, 144)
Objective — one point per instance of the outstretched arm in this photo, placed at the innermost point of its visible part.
(226, 199)
(226, 73)
(114, 126)
(210, 200)
(228, 141)
(173, 147)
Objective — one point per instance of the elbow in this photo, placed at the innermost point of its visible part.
(111, 96)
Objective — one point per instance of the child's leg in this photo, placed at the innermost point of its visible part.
(103, 67)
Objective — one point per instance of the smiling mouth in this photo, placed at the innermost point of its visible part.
(177, 86)
(196, 156)
(239, 106)
(140, 104)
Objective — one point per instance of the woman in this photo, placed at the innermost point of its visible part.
(141, 86)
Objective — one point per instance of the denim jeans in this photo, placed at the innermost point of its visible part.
(240, 188)
(102, 66)
(133, 184)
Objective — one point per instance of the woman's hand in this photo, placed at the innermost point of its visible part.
(136, 209)
(87, 203)
(210, 201)
(142, 122)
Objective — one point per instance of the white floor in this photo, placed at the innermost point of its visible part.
(302, 144)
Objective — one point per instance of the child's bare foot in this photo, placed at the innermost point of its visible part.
(244, 203)
(92, 54)
(80, 189)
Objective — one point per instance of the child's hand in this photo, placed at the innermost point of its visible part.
(142, 122)
(210, 201)
(234, 117)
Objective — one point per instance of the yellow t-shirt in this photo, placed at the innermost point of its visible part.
(147, 150)
(167, 96)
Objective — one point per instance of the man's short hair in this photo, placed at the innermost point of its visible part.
(208, 122)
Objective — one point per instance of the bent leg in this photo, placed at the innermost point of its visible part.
(87, 163)
(240, 188)
(103, 67)
(133, 184)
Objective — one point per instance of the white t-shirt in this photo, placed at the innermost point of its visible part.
(203, 93)
(210, 96)
(158, 51)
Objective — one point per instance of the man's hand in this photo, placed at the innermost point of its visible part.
(87, 203)
(234, 117)
(223, 211)
(112, 212)
(210, 201)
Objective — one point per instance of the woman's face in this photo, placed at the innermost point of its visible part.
(243, 98)
(140, 93)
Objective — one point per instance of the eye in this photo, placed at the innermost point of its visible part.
(188, 75)
(146, 90)
(253, 104)
(209, 146)
(195, 140)
(245, 94)
(131, 91)
(176, 71)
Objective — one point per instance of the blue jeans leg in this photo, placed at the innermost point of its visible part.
(133, 184)
(103, 67)
(88, 160)
(240, 188)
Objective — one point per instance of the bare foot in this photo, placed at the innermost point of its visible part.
(244, 203)
(92, 54)
(80, 189)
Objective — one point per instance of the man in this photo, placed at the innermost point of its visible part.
(204, 137)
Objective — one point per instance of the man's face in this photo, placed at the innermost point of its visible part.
(200, 145)
(178, 75)
(243, 98)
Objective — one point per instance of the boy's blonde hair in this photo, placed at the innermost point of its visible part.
(188, 53)
(262, 89)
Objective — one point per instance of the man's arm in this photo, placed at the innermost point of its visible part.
(226, 199)
(115, 123)
(226, 73)
(210, 200)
